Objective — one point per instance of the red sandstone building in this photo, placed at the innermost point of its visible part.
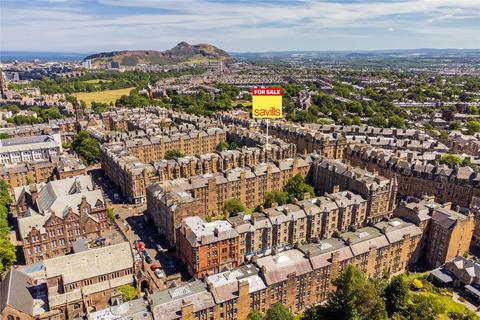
(207, 248)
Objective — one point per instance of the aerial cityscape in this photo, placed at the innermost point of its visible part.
(251, 160)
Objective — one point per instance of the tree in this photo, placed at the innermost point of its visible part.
(133, 100)
(466, 162)
(356, 121)
(233, 207)
(425, 308)
(397, 295)
(7, 254)
(451, 160)
(468, 315)
(232, 146)
(87, 147)
(255, 315)
(278, 311)
(222, 146)
(99, 107)
(396, 121)
(455, 125)
(110, 214)
(7, 249)
(354, 298)
(280, 197)
(173, 154)
(297, 188)
(4, 226)
(128, 292)
(377, 120)
(473, 126)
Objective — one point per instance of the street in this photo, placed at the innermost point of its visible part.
(133, 217)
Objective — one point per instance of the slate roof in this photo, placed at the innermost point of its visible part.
(14, 292)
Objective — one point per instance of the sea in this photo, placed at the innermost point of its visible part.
(10, 56)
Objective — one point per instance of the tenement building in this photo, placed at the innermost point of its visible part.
(22, 174)
(329, 145)
(299, 277)
(458, 186)
(30, 148)
(168, 209)
(329, 176)
(446, 233)
(249, 185)
(132, 176)
(249, 237)
(50, 216)
(207, 247)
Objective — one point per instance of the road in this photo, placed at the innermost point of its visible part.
(134, 216)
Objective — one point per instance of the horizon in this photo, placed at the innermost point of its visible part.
(245, 52)
(238, 26)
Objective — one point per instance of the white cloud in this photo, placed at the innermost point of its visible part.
(236, 26)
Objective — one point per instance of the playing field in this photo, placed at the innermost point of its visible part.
(102, 96)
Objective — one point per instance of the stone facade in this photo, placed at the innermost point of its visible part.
(207, 248)
(446, 233)
(249, 185)
(332, 175)
(458, 186)
(43, 171)
(87, 280)
(49, 217)
(30, 148)
(168, 210)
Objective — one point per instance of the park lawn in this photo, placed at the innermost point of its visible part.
(94, 81)
(414, 275)
(102, 96)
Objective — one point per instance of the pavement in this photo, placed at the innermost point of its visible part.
(132, 220)
(144, 230)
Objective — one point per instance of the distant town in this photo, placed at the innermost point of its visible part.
(139, 185)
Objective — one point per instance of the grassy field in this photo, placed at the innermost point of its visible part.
(95, 81)
(102, 96)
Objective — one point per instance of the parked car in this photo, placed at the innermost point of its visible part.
(148, 259)
(153, 267)
(145, 254)
(140, 246)
(159, 273)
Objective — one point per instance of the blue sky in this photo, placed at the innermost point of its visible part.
(241, 25)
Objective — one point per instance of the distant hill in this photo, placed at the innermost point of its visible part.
(181, 53)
